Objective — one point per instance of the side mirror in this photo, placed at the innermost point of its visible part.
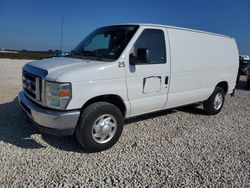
(132, 59)
(141, 58)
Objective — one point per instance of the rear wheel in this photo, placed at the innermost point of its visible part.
(99, 127)
(214, 103)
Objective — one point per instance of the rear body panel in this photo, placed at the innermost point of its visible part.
(199, 61)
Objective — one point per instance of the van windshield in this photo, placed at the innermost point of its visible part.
(106, 43)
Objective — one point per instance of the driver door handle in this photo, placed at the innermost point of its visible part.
(166, 80)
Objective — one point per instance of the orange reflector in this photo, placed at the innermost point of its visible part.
(64, 93)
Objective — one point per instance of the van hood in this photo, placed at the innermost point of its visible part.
(52, 64)
(65, 69)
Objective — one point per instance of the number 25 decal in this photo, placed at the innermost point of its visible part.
(121, 64)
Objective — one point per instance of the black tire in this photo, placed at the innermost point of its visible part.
(86, 122)
(209, 104)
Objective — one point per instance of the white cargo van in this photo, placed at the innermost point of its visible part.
(122, 71)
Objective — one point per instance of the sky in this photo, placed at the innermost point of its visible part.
(36, 24)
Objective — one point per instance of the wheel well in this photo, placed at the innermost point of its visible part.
(113, 99)
(223, 85)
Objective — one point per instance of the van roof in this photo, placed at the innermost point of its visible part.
(174, 27)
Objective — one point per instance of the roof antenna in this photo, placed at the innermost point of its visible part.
(61, 45)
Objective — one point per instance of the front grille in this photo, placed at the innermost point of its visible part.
(32, 85)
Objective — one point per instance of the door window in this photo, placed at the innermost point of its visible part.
(151, 43)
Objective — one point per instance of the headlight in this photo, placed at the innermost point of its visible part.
(58, 95)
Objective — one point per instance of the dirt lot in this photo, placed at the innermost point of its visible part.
(174, 148)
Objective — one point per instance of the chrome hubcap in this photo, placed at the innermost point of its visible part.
(218, 101)
(104, 128)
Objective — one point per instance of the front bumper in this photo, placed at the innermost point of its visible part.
(60, 123)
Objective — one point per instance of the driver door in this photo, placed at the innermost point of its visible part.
(148, 71)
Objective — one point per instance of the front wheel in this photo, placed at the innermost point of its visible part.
(214, 103)
(99, 127)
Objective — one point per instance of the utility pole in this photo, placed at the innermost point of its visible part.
(61, 45)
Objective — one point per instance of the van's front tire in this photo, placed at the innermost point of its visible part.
(99, 127)
(215, 102)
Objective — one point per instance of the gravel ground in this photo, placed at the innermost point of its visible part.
(174, 148)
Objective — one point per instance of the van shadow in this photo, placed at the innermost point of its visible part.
(149, 116)
(15, 130)
(191, 109)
